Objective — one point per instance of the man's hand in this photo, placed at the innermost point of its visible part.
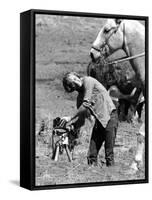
(66, 118)
(65, 121)
(69, 128)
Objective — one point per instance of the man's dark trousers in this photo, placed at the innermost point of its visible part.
(101, 134)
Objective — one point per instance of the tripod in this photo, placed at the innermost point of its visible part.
(60, 145)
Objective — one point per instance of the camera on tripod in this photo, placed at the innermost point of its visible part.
(63, 138)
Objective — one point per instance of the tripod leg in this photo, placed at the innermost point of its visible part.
(56, 153)
(68, 153)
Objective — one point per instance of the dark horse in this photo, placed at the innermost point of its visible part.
(120, 81)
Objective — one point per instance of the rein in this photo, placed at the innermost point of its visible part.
(126, 59)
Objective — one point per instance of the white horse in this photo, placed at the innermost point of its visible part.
(128, 35)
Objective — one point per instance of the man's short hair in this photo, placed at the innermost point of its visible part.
(68, 84)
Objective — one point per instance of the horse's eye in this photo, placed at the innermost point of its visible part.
(106, 30)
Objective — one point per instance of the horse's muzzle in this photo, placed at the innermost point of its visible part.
(94, 55)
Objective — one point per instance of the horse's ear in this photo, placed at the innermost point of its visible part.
(118, 21)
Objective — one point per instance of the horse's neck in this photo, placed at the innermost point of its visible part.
(135, 41)
(134, 38)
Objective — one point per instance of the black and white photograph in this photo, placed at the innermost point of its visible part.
(90, 99)
(76, 100)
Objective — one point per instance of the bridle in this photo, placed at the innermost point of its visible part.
(102, 50)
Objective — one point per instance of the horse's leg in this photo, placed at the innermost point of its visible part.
(140, 143)
(139, 110)
(121, 110)
(140, 148)
(138, 160)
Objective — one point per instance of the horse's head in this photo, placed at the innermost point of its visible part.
(109, 39)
